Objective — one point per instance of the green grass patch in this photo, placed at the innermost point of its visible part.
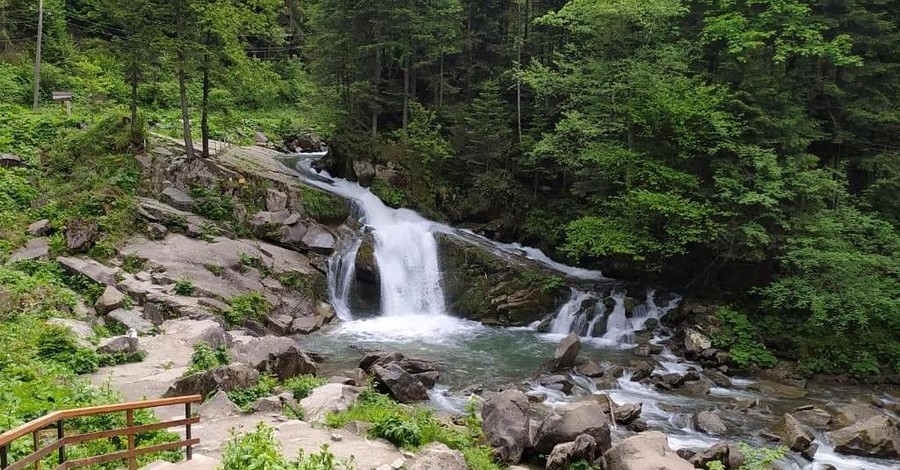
(251, 306)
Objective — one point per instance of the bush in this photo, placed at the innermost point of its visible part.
(213, 202)
(184, 286)
(739, 336)
(259, 449)
(57, 343)
(246, 397)
(302, 385)
(251, 306)
(206, 357)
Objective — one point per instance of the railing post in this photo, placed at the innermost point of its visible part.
(60, 435)
(129, 422)
(3, 457)
(37, 446)
(189, 451)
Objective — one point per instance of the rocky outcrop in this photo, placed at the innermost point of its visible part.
(851, 413)
(566, 352)
(792, 433)
(564, 455)
(728, 453)
(437, 456)
(875, 437)
(506, 424)
(399, 384)
(709, 423)
(131, 319)
(496, 290)
(271, 354)
(89, 268)
(35, 248)
(119, 345)
(218, 407)
(178, 199)
(329, 398)
(226, 378)
(568, 422)
(109, 301)
(645, 451)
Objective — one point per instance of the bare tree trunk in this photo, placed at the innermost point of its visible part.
(135, 138)
(406, 93)
(204, 109)
(185, 112)
(441, 84)
(377, 87)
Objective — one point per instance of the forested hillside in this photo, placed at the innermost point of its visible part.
(742, 151)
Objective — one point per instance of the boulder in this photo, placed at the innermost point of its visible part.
(127, 344)
(109, 301)
(793, 434)
(566, 352)
(851, 413)
(82, 330)
(36, 248)
(156, 231)
(728, 453)
(292, 234)
(557, 382)
(697, 387)
(506, 425)
(365, 172)
(264, 223)
(90, 268)
(645, 451)
(329, 398)
(437, 456)
(640, 370)
(319, 240)
(695, 342)
(81, 235)
(564, 455)
(272, 354)
(225, 378)
(178, 199)
(218, 407)
(875, 437)
(276, 201)
(777, 389)
(813, 417)
(400, 384)
(40, 228)
(411, 365)
(131, 320)
(709, 423)
(569, 421)
(590, 369)
(627, 413)
(268, 405)
(366, 265)
(8, 160)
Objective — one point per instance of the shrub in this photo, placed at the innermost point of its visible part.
(57, 343)
(184, 286)
(246, 397)
(206, 357)
(251, 306)
(399, 430)
(739, 336)
(255, 449)
(302, 385)
(213, 202)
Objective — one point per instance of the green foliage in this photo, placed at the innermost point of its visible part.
(251, 306)
(212, 202)
(391, 196)
(323, 207)
(184, 286)
(760, 458)
(302, 385)
(245, 398)
(740, 337)
(401, 432)
(206, 357)
(58, 344)
(259, 449)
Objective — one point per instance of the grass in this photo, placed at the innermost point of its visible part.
(251, 306)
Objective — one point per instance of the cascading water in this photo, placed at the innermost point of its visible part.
(341, 272)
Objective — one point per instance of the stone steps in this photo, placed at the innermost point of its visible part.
(199, 462)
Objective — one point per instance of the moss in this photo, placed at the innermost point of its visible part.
(323, 207)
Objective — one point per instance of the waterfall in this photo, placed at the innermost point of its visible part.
(341, 272)
(565, 319)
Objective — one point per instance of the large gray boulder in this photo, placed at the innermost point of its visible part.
(40, 228)
(131, 320)
(695, 342)
(851, 413)
(437, 456)
(36, 248)
(709, 423)
(329, 398)
(566, 352)
(272, 354)
(81, 235)
(875, 437)
(793, 434)
(111, 299)
(93, 270)
(645, 451)
(400, 384)
(319, 240)
(225, 378)
(570, 421)
(218, 407)
(365, 172)
(506, 424)
(127, 344)
(564, 455)
(178, 199)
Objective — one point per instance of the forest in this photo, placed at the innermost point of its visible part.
(744, 152)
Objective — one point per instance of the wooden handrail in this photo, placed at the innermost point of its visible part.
(56, 418)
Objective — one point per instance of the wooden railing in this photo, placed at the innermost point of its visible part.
(56, 421)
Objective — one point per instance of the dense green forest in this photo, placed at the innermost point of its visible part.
(744, 151)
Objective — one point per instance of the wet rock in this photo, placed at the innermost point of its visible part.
(319, 240)
(792, 433)
(557, 382)
(131, 320)
(218, 407)
(569, 421)
(272, 354)
(639, 425)
(40, 228)
(437, 456)
(709, 423)
(563, 455)
(226, 378)
(411, 365)
(810, 452)
(36, 248)
(697, 387)
(695, 342)
(506, 425)
(718, 378)
(400, 384)
(669, 381)
(119, 345)
(90, 268)
(640, 370)
(645, 451)
(566, 352)
(429, 379)
(81, 235)
(8, 160)
(178, 199)
(646, 350)
(850, 414)
(366, 265)
(628, 413)
(590, 369)
(365, 172)
(875, 437)
(329, 398)
(778, 390)
(728, 453)
(813, 416)
(111, 299)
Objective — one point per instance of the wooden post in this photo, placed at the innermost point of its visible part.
(4, 458)
(60, 435)
(37, 446)
(129, 422)
(189, 451)
(37, 54)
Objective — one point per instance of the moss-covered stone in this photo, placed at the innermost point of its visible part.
(493, 290)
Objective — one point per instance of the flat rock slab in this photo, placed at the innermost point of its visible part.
(97, 272)
(178, 199)
(36, 248)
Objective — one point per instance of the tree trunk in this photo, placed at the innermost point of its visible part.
(185, 112)
(405, 93)
(441, 85)
(204, 109)
(377, 87)
(135, 137)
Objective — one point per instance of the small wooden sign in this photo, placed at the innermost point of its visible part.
(65, 99)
